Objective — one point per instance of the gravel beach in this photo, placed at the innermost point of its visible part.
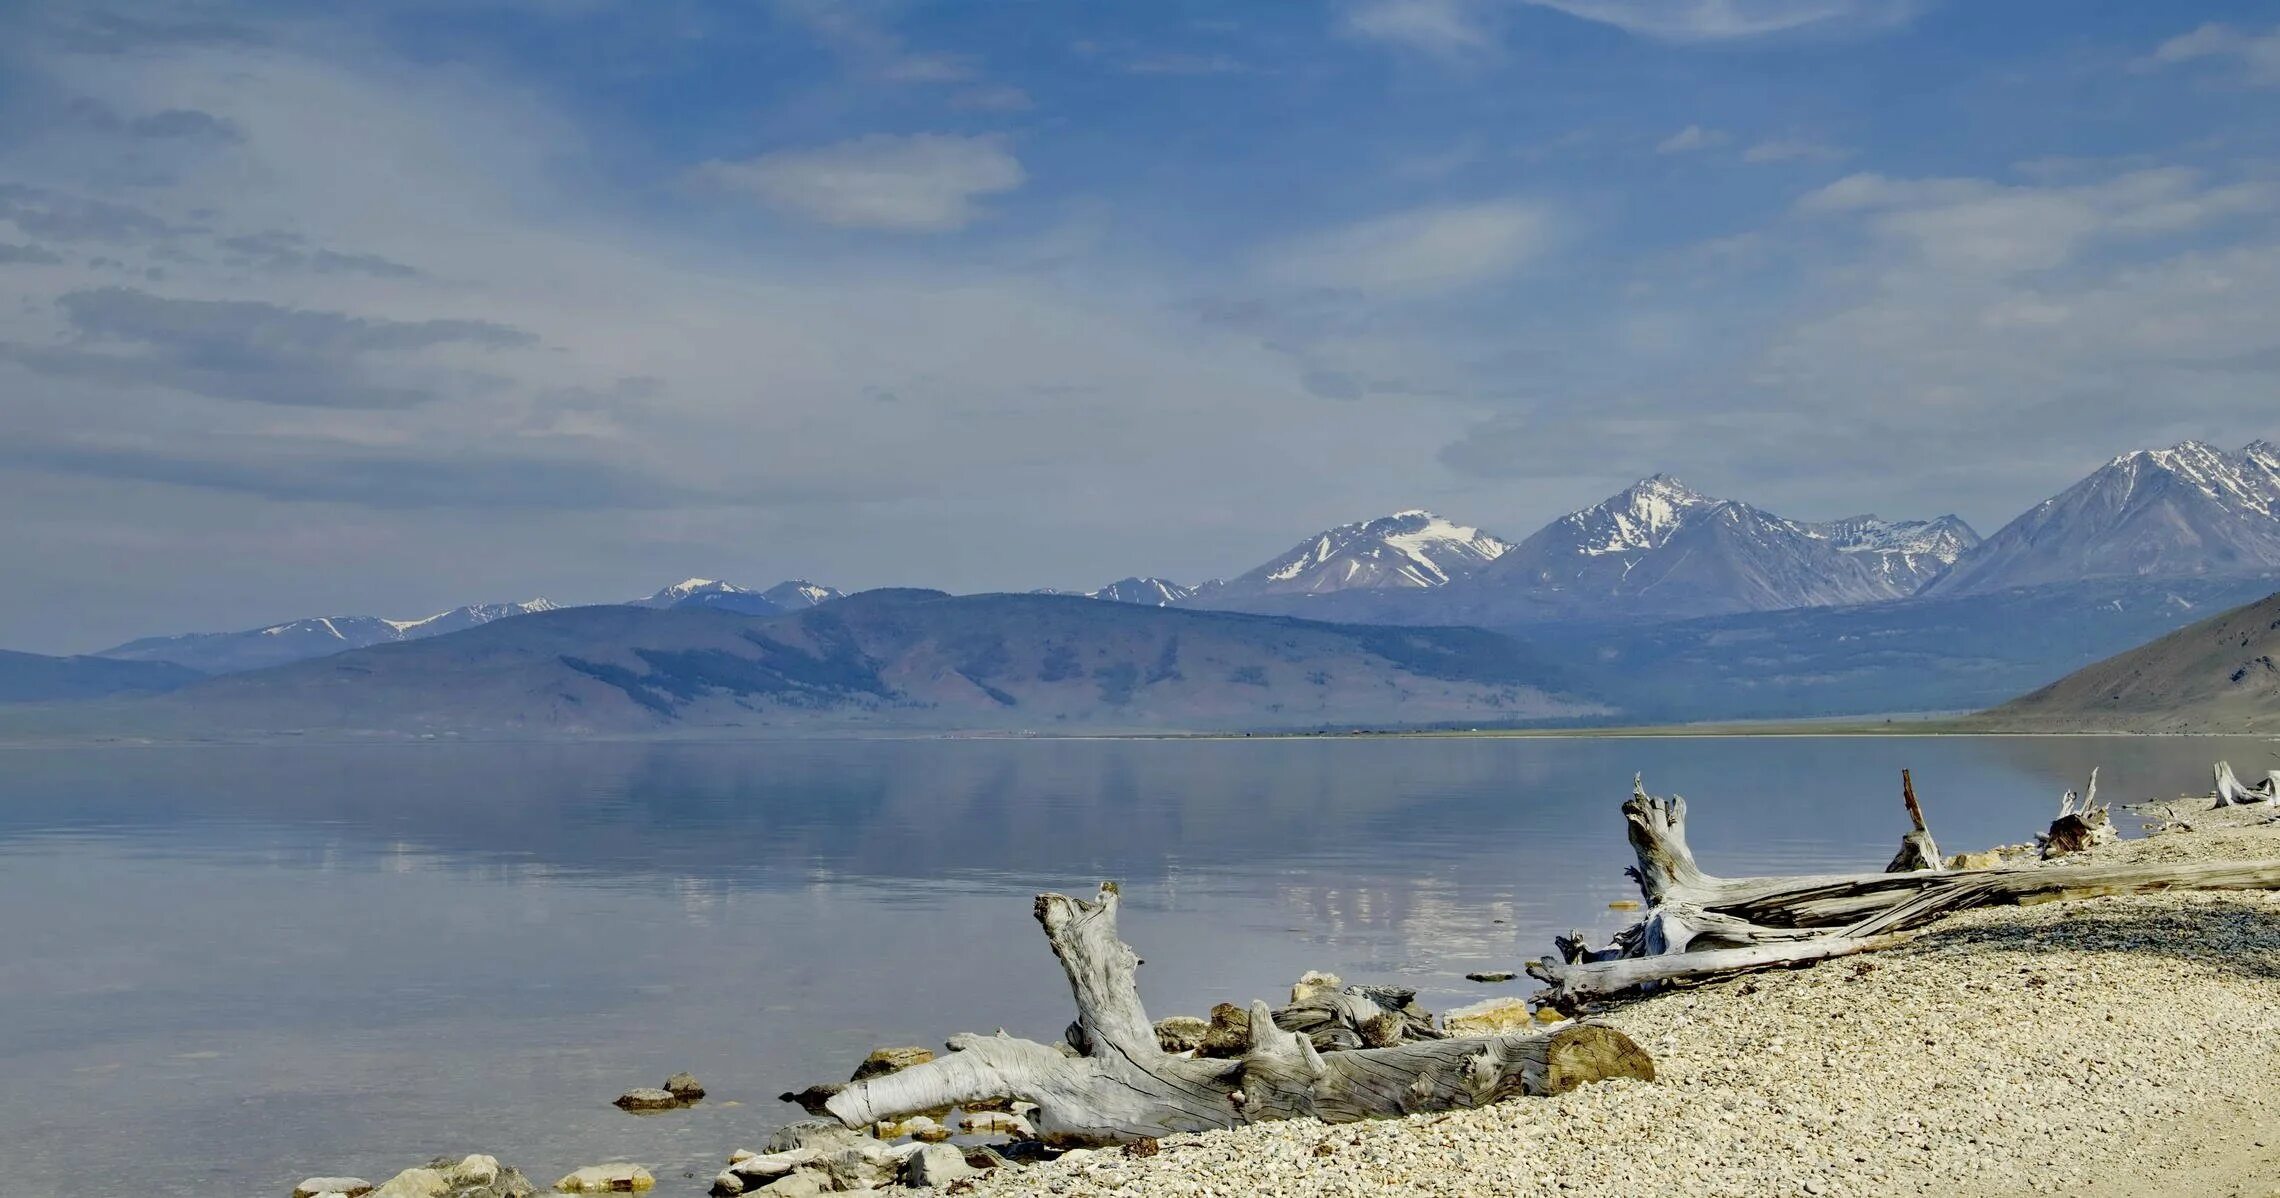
(2117, 1046)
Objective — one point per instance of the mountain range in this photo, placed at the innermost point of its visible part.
(1660, 601)
(881, 659)
(322, 636)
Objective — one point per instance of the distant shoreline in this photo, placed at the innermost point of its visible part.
(1781, 729)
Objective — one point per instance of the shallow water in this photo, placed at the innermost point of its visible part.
(223, 969)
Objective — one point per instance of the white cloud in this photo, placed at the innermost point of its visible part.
(1421, 251)
(1442, 28)
(1725, 20)
(1976, 225)
(1790, 149)
(1689, 139)
(751, 404)
(2258, 54)
(921, 183)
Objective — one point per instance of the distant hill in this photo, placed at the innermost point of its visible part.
(35, 678)
(884, 660)
(1916, 655)
(2219, 675)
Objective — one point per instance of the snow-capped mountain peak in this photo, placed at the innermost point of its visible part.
(1640, 516)
(797, 593)
(468, 617)
(2186, 509)
(1409, 549)
(688, 587)
(1148, 592)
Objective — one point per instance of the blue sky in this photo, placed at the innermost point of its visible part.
(426, 303)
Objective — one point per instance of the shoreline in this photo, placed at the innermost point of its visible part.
(2105, 1047)
(1775, 730)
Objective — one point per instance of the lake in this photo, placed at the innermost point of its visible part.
(226, 968)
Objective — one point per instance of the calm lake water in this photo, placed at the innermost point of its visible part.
(224, 969)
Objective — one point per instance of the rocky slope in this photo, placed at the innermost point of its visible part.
(2219, 675)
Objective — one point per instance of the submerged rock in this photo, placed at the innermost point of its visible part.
(812, 1099)
(473, 1176)
(645, 1099)
(1491, 976)
(883, 1061)
(685, 1087)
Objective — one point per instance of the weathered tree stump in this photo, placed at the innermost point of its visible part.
(2232, 793)
(1917, 850)
(1122, 1087)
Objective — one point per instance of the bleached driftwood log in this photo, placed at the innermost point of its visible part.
(2231, 793)
(1121, 1086)
(1699, 926)
(1917, 849)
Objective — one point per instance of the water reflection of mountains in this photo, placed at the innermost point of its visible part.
(783, 815)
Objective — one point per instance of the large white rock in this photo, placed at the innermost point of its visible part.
(352, 1187)
(1489, 1017)
(618, 1178)
(415, 1183)
(936, 1165)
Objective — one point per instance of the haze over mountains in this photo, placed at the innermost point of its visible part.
(1659, 602)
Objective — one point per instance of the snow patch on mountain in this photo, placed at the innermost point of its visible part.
(1410, 549)
(798, 593)
(1148, 592)
(2186, 510)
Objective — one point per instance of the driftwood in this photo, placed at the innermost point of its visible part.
(2231, 793)
(1122, 1087)
(1917, 850)
(2083, 822)
(1699, 926)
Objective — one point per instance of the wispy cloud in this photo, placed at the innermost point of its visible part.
(1793, 149)
(1441, 28)
(922, 183)
(1421, 251)
(2257, 54)
(1727, 20)
(249, 350)
(1689, 139)
(991, 97)
(1183, 64)
(1980, 226)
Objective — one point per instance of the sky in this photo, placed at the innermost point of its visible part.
(387, 307)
